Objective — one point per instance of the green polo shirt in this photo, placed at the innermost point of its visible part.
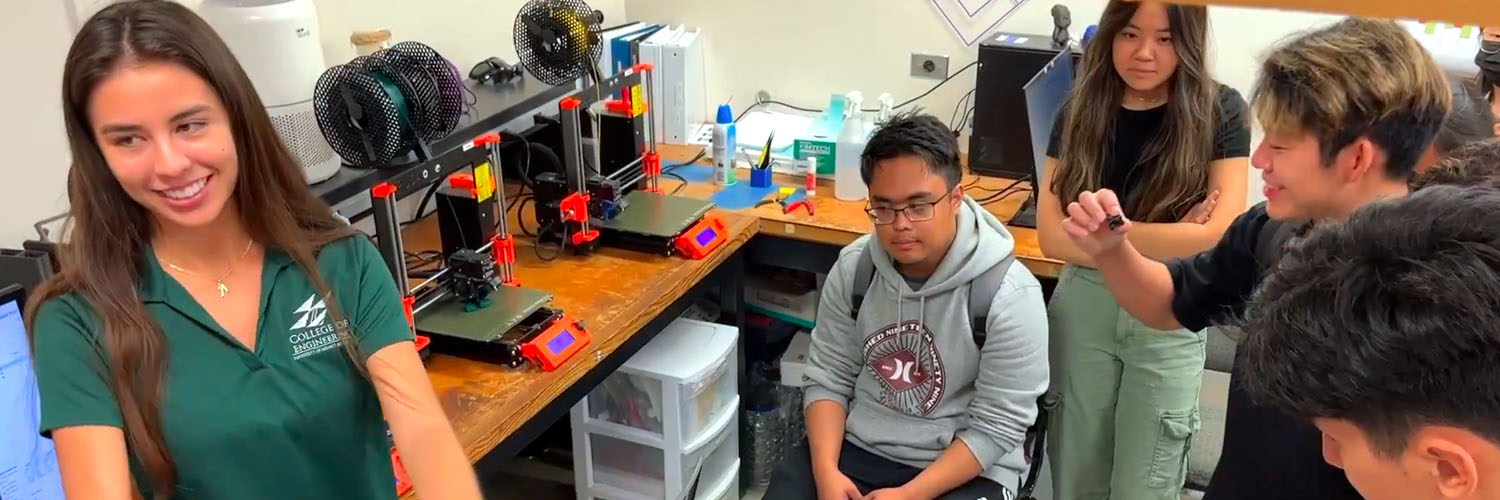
(290, 419)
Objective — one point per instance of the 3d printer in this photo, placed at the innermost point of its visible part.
(475, 302)
(621, 203)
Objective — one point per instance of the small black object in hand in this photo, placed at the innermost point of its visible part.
(1114, 222)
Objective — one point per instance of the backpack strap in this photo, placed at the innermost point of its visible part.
(864, 274)
(982, 292)
(1034, 446)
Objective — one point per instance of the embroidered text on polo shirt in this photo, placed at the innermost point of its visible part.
(312, 333)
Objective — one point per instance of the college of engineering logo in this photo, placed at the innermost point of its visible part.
(904, 358)
(312, 333)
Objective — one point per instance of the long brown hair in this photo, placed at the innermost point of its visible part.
(1181, 148)
(108, 228)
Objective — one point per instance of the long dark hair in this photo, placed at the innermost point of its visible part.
(107, 227)
(1181, 148)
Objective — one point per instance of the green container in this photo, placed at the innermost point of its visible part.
(818, 146)
(819, 139)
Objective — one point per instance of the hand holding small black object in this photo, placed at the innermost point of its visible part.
(1114, 221)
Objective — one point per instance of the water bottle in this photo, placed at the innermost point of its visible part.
(724, 147)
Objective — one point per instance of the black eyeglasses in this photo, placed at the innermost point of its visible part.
(915, 212)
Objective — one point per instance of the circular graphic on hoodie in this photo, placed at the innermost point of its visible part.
(904, 358)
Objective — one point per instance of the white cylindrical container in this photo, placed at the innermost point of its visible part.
(276, 42)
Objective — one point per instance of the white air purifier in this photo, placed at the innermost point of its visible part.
(276, 42)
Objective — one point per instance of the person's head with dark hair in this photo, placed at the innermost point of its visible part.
(1348, 110)
(1469, 120)
(913, 134)
(1384, 331)
(1473, 164)
(912, 168)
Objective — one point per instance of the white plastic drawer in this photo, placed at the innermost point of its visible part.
(726, 488)
(640, 400)
(620, 464)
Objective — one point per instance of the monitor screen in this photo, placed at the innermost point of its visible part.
(28, 469)
(1045, 94)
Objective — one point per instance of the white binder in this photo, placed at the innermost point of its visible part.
(686, 106)
(653, 51)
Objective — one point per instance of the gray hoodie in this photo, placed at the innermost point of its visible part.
(911, 386)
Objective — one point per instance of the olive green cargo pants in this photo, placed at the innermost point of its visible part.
(1128, 397)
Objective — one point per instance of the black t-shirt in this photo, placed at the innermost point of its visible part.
(1267, 453)
(1124, 169)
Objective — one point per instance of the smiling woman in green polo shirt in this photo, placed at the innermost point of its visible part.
(216, 333)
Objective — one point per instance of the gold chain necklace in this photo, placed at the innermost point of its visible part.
(1148, 100)
(223, 289)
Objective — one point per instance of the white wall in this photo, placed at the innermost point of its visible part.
(838, 45)
(33, 147)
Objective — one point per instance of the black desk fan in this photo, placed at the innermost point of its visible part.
(558, 40)
(386, 108)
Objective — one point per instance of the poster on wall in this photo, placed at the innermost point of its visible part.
(971, 20)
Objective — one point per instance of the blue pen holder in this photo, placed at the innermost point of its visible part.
(760, 177)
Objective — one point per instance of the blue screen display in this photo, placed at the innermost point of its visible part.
(28, 462)
(706, 236)
(560, 342)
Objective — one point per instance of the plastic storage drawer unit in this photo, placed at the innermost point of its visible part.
(686, 374)
(621, 469)
(673, 405)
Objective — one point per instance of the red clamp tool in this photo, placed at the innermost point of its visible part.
(792, 207)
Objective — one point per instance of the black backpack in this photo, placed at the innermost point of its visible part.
(982, 291)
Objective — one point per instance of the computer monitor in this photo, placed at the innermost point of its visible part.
(1045, 94)
(28, 462)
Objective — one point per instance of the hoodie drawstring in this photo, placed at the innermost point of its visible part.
(901, 299)
(922, 311)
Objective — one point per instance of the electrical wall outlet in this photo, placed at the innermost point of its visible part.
(929, 66)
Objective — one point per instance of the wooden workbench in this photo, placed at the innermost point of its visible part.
(839, 222)
(616, 292)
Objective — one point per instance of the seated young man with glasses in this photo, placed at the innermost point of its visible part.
(930, 348)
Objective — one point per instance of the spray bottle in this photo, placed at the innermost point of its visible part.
(887, 107)
(847, 184)
(724, 147)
